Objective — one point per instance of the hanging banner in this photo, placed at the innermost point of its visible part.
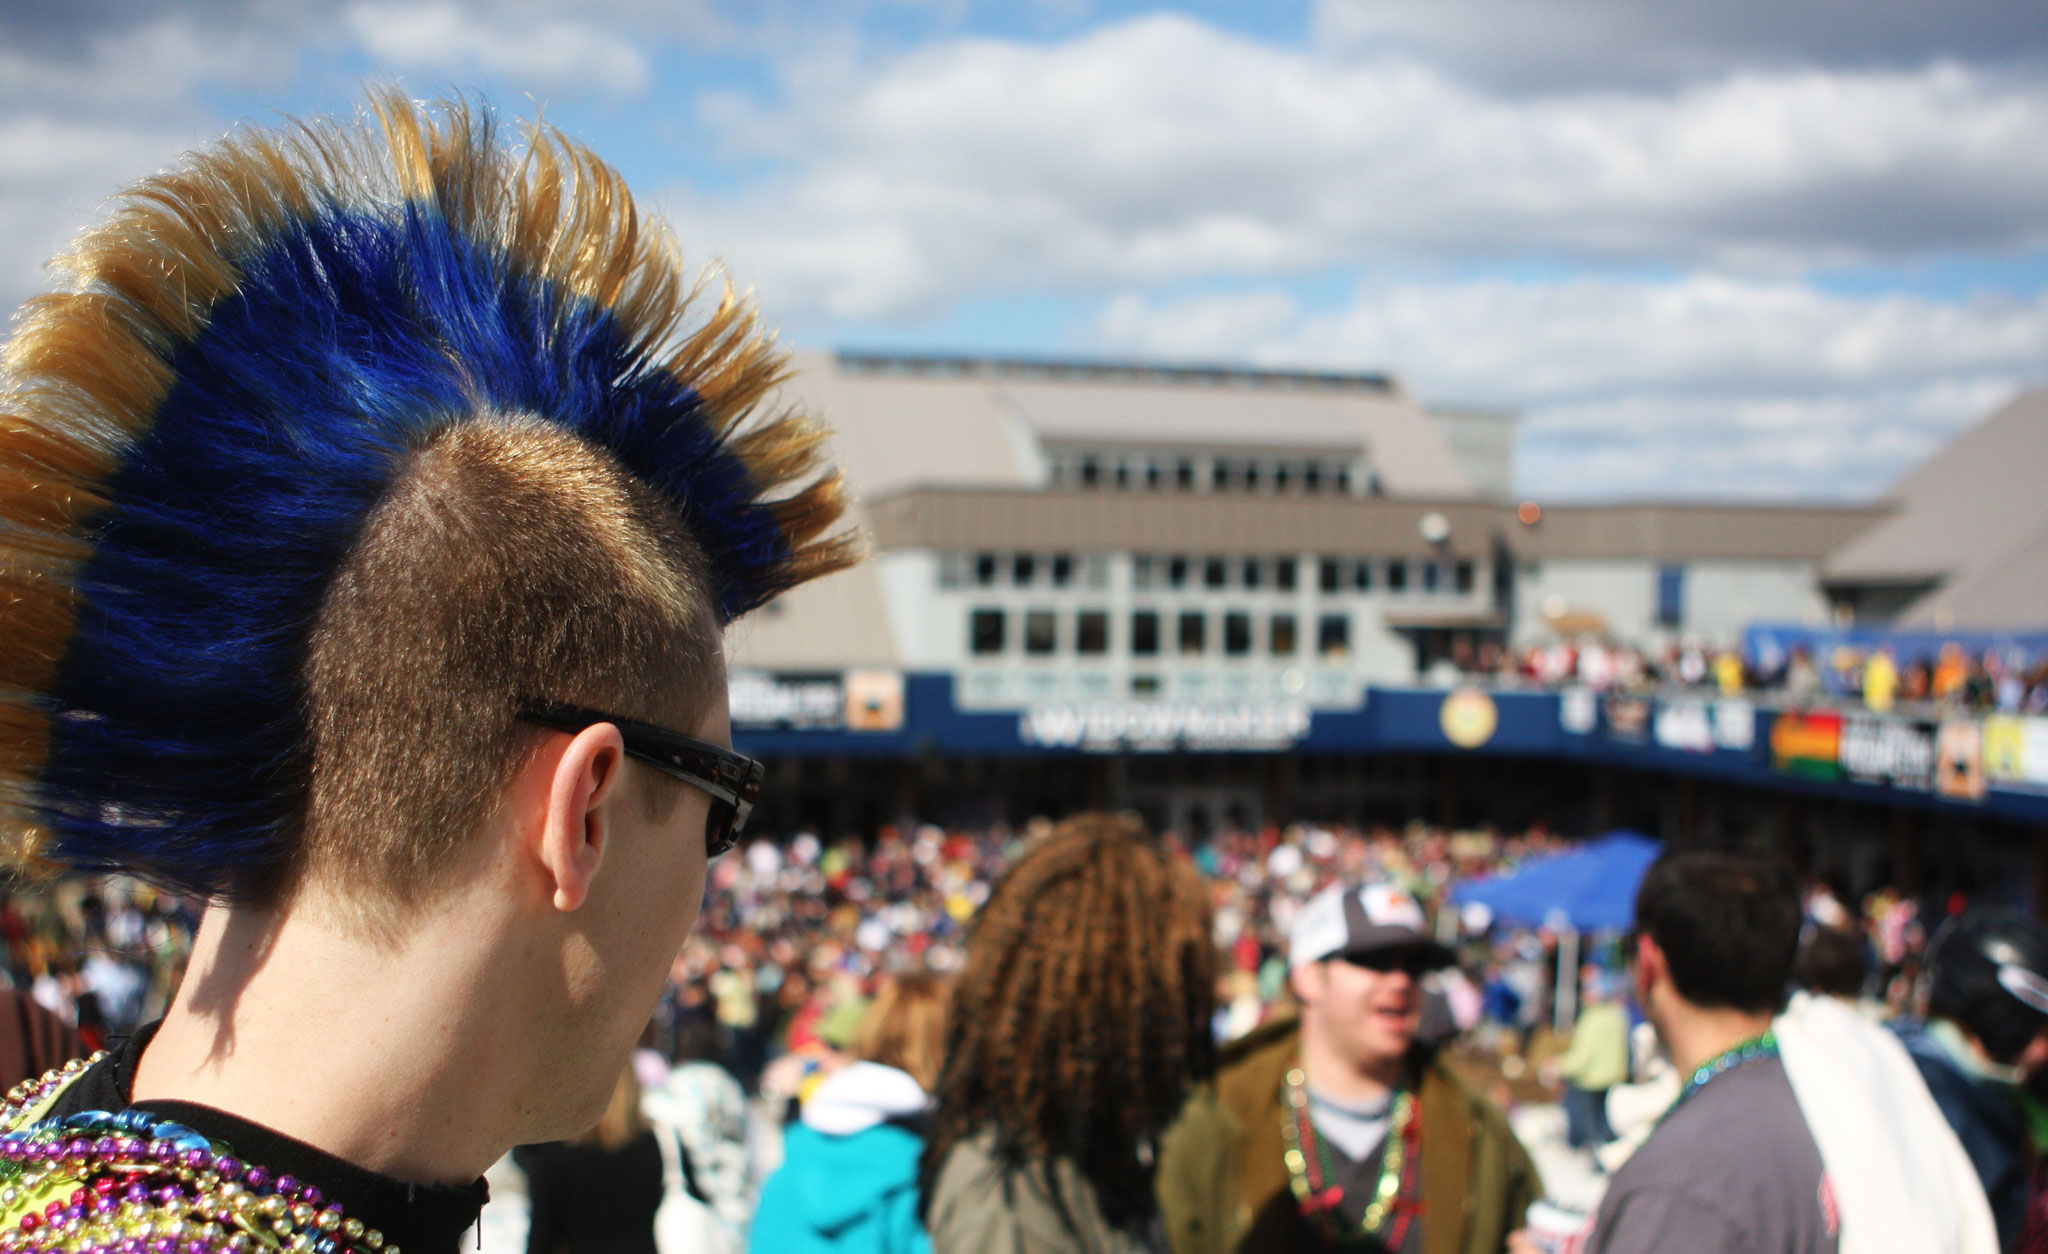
(1893, 751)
(1959, 760)
(1808, 743)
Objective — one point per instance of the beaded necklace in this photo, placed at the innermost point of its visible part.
(1763, 1045)
(1311, 1169)
(130, 1183)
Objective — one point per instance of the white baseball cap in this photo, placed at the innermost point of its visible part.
(1342, 920)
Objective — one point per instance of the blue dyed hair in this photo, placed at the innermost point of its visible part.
(195, 430)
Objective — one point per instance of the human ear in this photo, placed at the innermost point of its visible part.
(1307, 980)
(1647, 968)
(577, 826)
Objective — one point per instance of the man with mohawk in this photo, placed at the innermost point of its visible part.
(371, 507)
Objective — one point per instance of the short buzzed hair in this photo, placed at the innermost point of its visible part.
(510, 563)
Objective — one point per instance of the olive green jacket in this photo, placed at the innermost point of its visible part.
(1224, 1189)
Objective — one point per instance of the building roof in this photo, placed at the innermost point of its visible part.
(1972, 517)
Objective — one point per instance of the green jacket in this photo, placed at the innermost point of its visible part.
(1224, 1189)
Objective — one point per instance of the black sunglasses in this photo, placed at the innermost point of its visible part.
(731, 780)
(1414, 962)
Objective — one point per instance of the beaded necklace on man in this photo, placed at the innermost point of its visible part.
(1310, 1168)
(1750, 1049)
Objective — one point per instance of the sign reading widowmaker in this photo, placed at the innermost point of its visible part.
(1164, 726)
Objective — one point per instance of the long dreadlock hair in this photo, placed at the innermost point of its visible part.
(1082, 1015)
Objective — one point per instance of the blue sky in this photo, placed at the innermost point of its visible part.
(1707, 249)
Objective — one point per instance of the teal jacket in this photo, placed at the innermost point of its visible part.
(853, 1194)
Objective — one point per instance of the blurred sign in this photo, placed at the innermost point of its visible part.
(1163, 726)
(1959, 760)
(1808, 743)
(1893, 751)
(1683, 725)
(1578, 711)
(1469, 718)
(859, 700)
(1628, 718)
(1735, 724)
(2016, 751)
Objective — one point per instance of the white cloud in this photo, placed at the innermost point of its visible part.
(525, 52)
(1708, 385)
(1163, 148)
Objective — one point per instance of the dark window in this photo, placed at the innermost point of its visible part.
(1123, 475)
(1432, 576)
(1091, 472)
(1145, 633)
(1091, 631)
(1281, 635)
(1281, 475)
(1312, 478)
(1253, 571)
(1215, 573)
(1343, 480)
(1041, 631)
(1194, 632)
(1361, 575)
(985, 632)
(1461, 575)
(1141, 570)
(1177, 572)
(1251, 476)
(1219, 475)
(984, 568)
(1023, 569)
(1670, 596)
(1237, 633)
(1328, 574)
(1397, 575)
(1283, 573)
(1062, 569)
(1152, 475)
(1144, 685)
(1184, 474)
(1333, 635)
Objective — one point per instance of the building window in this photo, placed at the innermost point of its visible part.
(1343, 481)
(1251, 476)
(1361, 574)
(1145, 633)
(1152, 475)
(1194, 632)
(1281, 474)
(1280, 635)
(1091, 472)
(1041, 632)
(1215, 573)
(1144, 685)
(1091, 631)
(985, 632)
(1397, 574)
(1123, 474)
(1312, 478)
(1333, 636)
(1462, 575)
(1023, 569)
(1329, 574)
(1062, 569)
(1094, 571)
(1432, 576)
(1177, 572)
(1184, 474)
(1219, 475)
(1254, 571)
(985, 569)
(1237, 633)
(1283, 573)
(1670, 596)
(1141, 570)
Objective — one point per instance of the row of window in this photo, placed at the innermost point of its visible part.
(1192, 473)
(1151, 571)
(1043, 633)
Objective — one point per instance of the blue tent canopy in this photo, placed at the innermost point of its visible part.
(1594, 886)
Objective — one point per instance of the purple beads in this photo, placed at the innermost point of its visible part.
(259, 1179)
(229, 1167)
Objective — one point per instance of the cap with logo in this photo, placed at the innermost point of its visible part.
(1360, 920)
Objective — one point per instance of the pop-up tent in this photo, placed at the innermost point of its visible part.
(1590, 889)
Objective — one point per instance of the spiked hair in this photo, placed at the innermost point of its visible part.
(247, 355)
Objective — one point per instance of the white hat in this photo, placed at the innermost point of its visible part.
(1342, 920)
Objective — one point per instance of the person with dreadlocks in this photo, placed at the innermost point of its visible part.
(1079, 1021)
(1342, 1129)
(373, 495)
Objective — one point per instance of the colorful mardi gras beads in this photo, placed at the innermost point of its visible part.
(129, 1182)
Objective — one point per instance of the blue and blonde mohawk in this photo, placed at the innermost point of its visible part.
(194, 430)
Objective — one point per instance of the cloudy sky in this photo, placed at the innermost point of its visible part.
(1707, 248)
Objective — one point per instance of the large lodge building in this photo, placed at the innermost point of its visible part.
(1235, 596)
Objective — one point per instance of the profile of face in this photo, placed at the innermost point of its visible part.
(1368, 1017)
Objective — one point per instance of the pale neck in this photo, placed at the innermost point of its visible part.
(384, 1052)
(1344, 1079)
(1695, 1036)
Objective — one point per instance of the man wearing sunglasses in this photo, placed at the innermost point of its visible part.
(1338, 1129)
